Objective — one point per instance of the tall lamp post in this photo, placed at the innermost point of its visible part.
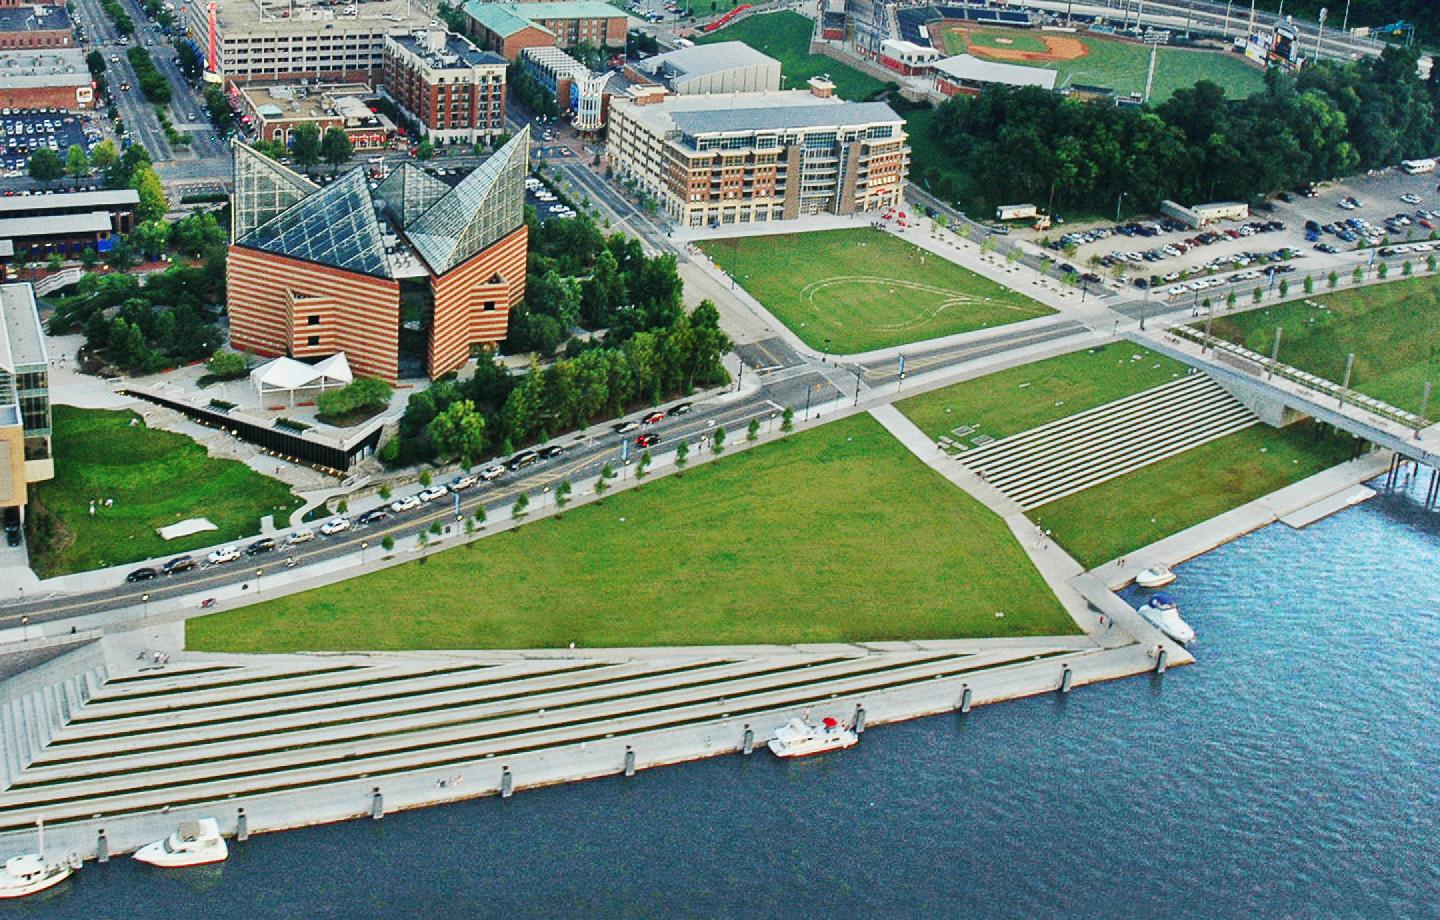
(145, 608)
(364, 545)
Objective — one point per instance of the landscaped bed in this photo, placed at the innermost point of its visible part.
(834, 535)
(151, 479)
(849, 291)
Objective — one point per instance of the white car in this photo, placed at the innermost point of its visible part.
(432, 493)
(462, 482)
(404, 504)
(223, 555)
(300, 536)
(1410, 198)
(492, 472)
(335, 525)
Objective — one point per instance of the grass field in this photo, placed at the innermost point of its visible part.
(155, 478)
(863, 289)
(1122, 515)
(1123, 65)
(1023, 397)
(785, 36)
(1393, 329)
(835, 535)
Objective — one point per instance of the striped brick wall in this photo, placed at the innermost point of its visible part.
(461, 319)
(273, 299)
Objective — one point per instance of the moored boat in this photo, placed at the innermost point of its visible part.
(798, 738)
(194, 843)
(31, 873)
(1156, 576)
(1162, 612)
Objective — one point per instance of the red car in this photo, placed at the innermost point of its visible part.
(647, 440)
(653, 417)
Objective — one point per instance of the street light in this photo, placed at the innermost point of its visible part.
(364, 545)
(145, 610)
(24, 628)
(258, 573)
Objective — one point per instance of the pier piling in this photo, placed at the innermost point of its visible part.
(859, 719)
(1162, 661)
(629, 760)
(377, 804)
(102, 846)
(507, 783)
(242, 825)
(1066, 676)
(966, 694)
(748, 745)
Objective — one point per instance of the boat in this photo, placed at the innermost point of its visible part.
(798, 738)
(1164, 615)
(194, 843)
(30, 873)
(1156, 576)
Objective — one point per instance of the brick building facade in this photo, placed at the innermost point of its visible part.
(453, 90)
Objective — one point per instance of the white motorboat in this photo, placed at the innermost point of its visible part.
(1156, 576)
(31, 872)
(1164, 615)
(194, 843)
(798, 738)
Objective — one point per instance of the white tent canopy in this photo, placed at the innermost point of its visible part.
(286, 375)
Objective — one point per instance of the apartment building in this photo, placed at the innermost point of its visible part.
(578, 91)
(509, 28)
(453, 90)
(751, 157)
(25, 455)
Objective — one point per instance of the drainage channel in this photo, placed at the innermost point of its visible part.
(464, 759)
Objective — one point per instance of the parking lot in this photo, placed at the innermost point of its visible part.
(547, 206)
(27, 130)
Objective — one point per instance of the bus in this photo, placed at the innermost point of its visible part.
(1416, 167)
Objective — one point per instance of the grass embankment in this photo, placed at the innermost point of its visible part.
(1393, 330)
(785, 36)
(835, 535)
(1125, 514)
(1020, 398)
(864, 289)
(154, 478)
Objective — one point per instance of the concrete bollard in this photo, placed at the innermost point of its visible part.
(1162, 661)
(629, 760)
(966, 694)
(377, 804)
(102, 846)
(242, 825)
(507, 784)
(749, 743)
(859, 719)
(1066, 675)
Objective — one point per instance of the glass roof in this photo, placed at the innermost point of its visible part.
(409, 191)
(263, 189)
(335, 226)
(486, 205)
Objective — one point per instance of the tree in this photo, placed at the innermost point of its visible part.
(459, 432)
(1407, 269)
(336, 149)
(151, 238)
(96, 62)
(425, 479)
(522, 501)
(1429, 264)
(717, 441)
(562, 493)
(228, 365)
(601, 486)
(385, 492)
(480, 515)
(55, 262)
(1309, 285)
(643, 467)
(1383, 271)
(1230, 300)
(682, 455)
(1284, 288)
(1334, 278)
(753, 432)
(607, 471)
(787, 419)
(1358, 274)
(305, 145)
(387, 543)
(153, 203)
(77, 164)
(1257, 294)
(196, 233)
(424, 150)
(103, 156)
(423, 540)
(45, 165)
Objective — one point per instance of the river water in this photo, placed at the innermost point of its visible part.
(1294, 771)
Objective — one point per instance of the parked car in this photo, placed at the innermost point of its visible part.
(462, 482)
(405, 503)
(300, 536)
(179, 564)
(335, 525)
(647, 440)
(262, 545)
(522, 459)
(682, 409)
(492, 472)
(432, 493)
(373, 515)
(654, 417)
(626, 427)
(144, 574)
(223, 555)
(551, 452)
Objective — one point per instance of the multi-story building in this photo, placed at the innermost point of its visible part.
(35, 227)
(286, 40)
(25, 455)
(747, 157)
(509, 28)
(583, 94)
(273, 111)
(724, 67)
(35, 27)
(453, 90)
(316, 272)
(54, 77)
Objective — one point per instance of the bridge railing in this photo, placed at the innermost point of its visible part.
(1263, 364)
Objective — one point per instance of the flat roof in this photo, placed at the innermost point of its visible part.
(331, 100)
(250, 17)
(567, 9)
(24, 341)
(34, 18)
(700, 60)
(458, 51)
(720, 113)
(44, 67)
(105, 198)
(17, 227)
(500, 19)
(966, 67)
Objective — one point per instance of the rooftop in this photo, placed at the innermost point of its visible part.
(453, 51)
(43, 67)
(508, 18)
(24, 341)
(499, 18)
(704, 59)
(338, 100)
(106, 198)
(739, 112)
(18, 227)
(965, 67)
(310, 16)
(34, 18)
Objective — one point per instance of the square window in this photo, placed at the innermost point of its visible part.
(313, 319)
(489, 304)
(313, 341)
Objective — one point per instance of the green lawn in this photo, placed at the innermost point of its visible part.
(1162, 499)
(1123, 65)
(863, 289)
(835, 535)
(155, 478)
(785, 36)
(1393, 330)
(1020, 398)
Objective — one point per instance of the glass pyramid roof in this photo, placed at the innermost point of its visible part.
(409, 191)
(263, 189)
(486, 205)
(335, 226)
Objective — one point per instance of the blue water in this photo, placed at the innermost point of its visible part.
(1293, 772)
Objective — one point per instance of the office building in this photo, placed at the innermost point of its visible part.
(454, 91)
(34, 227)
(724, 67)
(25, 455)
(49, 78)
(35, 27)
(274, 110)
(509, 28)
(748, 157)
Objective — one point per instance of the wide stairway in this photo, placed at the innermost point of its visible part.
(1074, 453)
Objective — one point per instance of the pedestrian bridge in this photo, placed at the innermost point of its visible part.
(1277, 392)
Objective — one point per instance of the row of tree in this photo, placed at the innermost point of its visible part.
(152, 82)
(1027, 144)
(308, 147)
